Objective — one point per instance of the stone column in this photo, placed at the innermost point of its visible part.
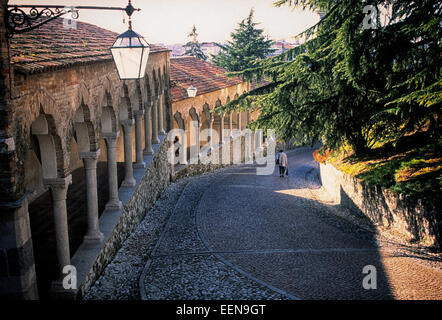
(111, 139)
(161, 114)
(59, 189)
(258, 139)
(231, 125)
(129, 180)
(183, 148)
(239, 121)
(155, 139)
(211, 120)
(221, 133)
(90, 164)
(195, 148)
(138, 139)
(148, 130)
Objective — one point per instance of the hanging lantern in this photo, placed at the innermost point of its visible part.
(191, 91)
(130, 52)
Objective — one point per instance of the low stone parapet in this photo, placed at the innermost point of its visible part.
(415, 219)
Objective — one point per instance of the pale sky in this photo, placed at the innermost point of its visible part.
(169, 21)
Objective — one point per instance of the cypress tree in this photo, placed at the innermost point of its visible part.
(247, 46)
(193, 48)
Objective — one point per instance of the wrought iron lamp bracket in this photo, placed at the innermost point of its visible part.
(19, 21)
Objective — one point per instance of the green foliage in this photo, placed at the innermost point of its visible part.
(352, 85)
(413, 169)
(247, 46)
(193, 48)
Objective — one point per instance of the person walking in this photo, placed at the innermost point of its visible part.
(282, 162)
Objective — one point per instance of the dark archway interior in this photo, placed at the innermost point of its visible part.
(42, 222)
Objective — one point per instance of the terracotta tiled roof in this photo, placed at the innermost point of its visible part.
(206, 77)
(51, 46)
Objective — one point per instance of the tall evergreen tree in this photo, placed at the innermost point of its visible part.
(247, 46)
(193, 47)
(349, 84)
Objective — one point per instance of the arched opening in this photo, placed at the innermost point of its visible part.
(43, 162)
(193, 123)
(206, 118)
(179, 139)
(217, 124)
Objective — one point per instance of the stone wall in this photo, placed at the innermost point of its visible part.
(205, 163)
(414, 219)
(156, 178)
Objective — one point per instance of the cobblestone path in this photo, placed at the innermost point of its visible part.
(235, 235)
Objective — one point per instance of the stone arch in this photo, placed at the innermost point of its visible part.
(133, 91)
(148, 91)
(193, 129)
(51, 154)
(206, 118)
(193, 114)
(83, 97)
(217, 121)
(155, 83)
(179, 123)
(179, 120)
(160, 81)
(85, 135)
(165, 77)
(105, 98)
(206, 115)
(125, 106)
(42, 100)
(109, 123)
(235, 115)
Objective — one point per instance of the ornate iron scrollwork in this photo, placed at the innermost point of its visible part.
(19, 21)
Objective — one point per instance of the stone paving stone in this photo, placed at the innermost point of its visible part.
(181, 234)
(317, 275)
(274, 220)
(200, 277)
(235, 235)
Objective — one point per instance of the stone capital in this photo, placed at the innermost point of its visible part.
(58, 182)
(93, 155)
(127, 122)
(111, 136)
(138, 113)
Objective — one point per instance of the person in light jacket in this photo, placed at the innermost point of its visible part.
(282, 162)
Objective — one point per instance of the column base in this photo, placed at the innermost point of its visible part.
(128, 183)
(141, 165)
(157, 141)
(96, 237)
(114, 205)
(148, 152)
(162, 133)
(57, 291)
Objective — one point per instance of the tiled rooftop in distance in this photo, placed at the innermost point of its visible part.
(52, 46)
(206, 76)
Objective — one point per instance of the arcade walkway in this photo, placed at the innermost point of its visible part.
(235, 235)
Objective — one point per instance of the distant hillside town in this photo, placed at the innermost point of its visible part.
(210, 48)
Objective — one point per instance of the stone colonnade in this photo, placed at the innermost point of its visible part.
(225, 126)
(89, 124)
